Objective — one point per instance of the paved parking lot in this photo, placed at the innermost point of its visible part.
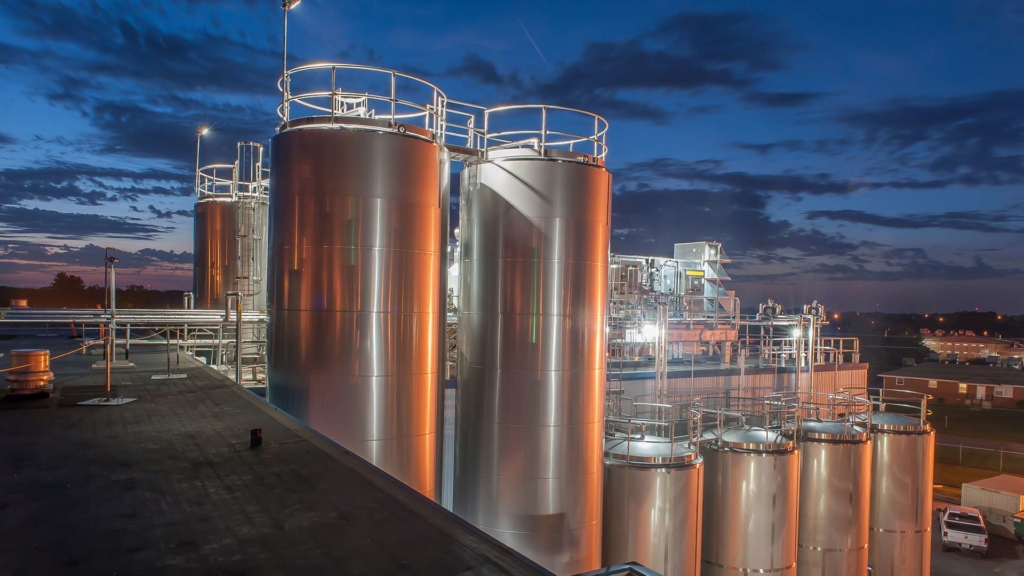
(1005, 557)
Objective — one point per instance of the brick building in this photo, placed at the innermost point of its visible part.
(970, 347)
(972, 385)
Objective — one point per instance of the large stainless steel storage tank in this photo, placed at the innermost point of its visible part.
(355, 266)
(751, 502)
(653, 497)
(534, 231)
(835, 487)
(902, 462)
(215, 237)
(230, 234)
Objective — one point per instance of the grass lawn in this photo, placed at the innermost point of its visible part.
(952, 478)
(1000, 425)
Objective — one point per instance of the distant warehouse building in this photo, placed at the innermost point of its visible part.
(972, 385)
(972, 347)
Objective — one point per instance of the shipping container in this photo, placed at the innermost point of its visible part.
(999, 498)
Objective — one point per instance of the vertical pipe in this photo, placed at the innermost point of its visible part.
(238, 339)
(108, 344)
(167, 338)
(442, 318)
(284, 65)
(811, 336)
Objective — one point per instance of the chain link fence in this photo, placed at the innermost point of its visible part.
(994, 459)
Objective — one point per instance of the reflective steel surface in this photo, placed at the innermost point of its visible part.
(216, 252)
(835, 492)
(901, 503)
(354, 303)
(531, 371)
(652, 515)
(751, 503)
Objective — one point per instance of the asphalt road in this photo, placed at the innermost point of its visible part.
(1005, 557)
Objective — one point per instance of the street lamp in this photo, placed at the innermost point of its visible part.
(286, 6)
(199, 136)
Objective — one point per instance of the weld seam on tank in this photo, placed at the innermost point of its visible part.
(823, 549)
(750, 570)
(883, 530)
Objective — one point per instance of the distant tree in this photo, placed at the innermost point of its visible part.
(64, 283)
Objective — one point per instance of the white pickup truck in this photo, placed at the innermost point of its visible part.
(963, 528)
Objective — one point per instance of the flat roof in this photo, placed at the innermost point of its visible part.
(961, 338)
(1002, 483)
(168, 483)
(963, 373)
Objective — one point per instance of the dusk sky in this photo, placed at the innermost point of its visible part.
(867, 155)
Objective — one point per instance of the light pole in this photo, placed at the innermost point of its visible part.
(111, 323)
(199, 137)
(286, 5)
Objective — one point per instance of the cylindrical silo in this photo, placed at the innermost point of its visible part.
(902, 462)
(355, 270)
(534, 231)
(215, 266)
(751, 502)
(653, 492)
(835, 488)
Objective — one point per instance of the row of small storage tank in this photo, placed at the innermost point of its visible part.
(838, 499)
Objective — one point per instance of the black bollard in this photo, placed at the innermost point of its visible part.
(255, 438)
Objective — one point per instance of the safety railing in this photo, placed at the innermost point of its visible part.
(836, 350)
(544, 133)
(393, 98)
(463, 123)
(914, 404)
(651, 423)
(216, 181)
(842, 407)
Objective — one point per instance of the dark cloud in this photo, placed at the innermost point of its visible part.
(649, 221)
(90, 254)
(690, 52)
(714, 173)
(702, 109)
(829, 146)
(201, 60)
(779, 99)
(167, 129)
(483, 71)
(7, 140)
(917, 267)
(168, 214)
(70, 226)
(86, 184)
(35, 263)
(127, 76)
(977, 139)
(971, 220)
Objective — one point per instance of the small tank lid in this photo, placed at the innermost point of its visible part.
(648, 450)
(832, 431)
(750, 438)
(31, 352)
(896, 422)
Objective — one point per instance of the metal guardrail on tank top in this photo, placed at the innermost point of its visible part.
(399, 103)
(542, 127)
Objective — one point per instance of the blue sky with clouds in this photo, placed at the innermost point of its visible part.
(864, 154)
